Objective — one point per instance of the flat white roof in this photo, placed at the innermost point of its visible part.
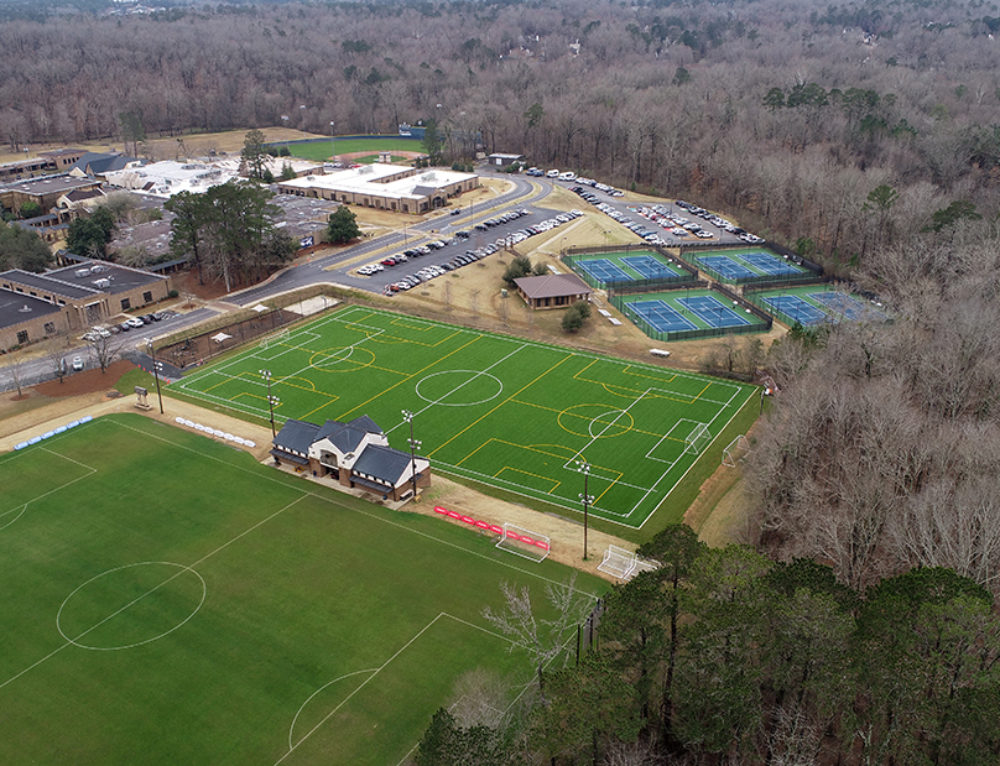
(367, 180)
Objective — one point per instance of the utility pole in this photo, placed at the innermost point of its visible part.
(156, 370)
(271, 400)
(584, 467)
(414, 446)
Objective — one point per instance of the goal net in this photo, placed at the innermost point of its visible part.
(275, 339)
(735, 451)
(624, 564)
(697, 439)
(523, 542)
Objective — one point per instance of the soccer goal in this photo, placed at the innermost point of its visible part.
(735, 451)
(624, 564)
(523, 542)
(697, 439)
(274, 340)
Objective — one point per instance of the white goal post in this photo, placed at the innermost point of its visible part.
(525, 543)
(624, 564)
(278, 337)
(697, 439)
(735, 451)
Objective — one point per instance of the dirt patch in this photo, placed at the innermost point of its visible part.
(85, 382)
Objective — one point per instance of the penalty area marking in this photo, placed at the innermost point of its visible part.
(182, 569)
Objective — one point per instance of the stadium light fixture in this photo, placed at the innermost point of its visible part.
(584, 467)
(414, 446)
(271, 400)
(156, 370)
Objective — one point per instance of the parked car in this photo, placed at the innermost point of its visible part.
(77, 363)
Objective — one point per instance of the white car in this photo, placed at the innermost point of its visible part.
(569, 175)
(134, 322)
(77, 363)
(552, 173)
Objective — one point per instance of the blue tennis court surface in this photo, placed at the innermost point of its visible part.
(604, 270)
(660, 316)
(796, 308)
(769, 264)
(648, 266)
(726, 267)
(843, 304)
(712, 311)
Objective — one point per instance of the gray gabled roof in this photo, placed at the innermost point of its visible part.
(552, 286)
(96, 163)
(366, 423)
(383, 463)
(296, 435)
(343, 436)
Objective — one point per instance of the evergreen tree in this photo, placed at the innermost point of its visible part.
(343, 226)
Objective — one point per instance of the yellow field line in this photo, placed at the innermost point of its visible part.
(519, 446)
(411, 376)
(555, 484)
(490, 412)
(331, 400)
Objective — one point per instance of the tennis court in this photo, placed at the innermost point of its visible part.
(750, 265)
(712, 311)
(769, 264)
(811, 305)
(727, 269)
(648, 266)
(845, 305)
(604, 271)
(660, 316)
(616, 268)
(796, 308)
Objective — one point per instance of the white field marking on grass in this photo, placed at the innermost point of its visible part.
(291, 729)
(375, 672)
(694, 462)
(23, 508)
(524, 688)
(76, 639)
(287, 483)
(359, 687)
(649, 454)
(476, 374)
(157, 587)
(600, 433)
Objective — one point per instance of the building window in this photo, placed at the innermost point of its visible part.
(147, 296)
(22, 337)
(50, 328)
(126, 304)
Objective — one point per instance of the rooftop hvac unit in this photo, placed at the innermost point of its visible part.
(82, 272)
(96, 268)
(102, 282)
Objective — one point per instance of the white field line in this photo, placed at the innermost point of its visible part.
(595, 437)
(24, 507)
(157, 587)
(332, 500)
(478, 373)
(699, 457)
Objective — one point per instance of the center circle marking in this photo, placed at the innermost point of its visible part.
(343, 359)
(106, 573)
(467, 377)
(605, 424)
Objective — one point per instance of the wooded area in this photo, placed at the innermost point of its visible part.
(865, 136)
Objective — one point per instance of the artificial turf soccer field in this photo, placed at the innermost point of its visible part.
(167, 600)
(500, 410)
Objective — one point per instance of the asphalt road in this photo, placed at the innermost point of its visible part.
(336, 268)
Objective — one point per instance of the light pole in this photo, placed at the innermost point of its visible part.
(333, 147)
(584, 467)
(414, 446)
(271, 400)
(156, 370)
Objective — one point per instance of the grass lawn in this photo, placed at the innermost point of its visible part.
(321, 149)
(493, 409)
(169, 601)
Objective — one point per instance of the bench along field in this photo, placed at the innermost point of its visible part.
(506, 412)
(167, 600)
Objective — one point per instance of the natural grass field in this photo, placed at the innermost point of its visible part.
(319, 150)
(497, 410)
(169, 601)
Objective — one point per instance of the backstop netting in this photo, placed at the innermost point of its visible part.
(523, 542)
(698, 439)
(735, 451)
